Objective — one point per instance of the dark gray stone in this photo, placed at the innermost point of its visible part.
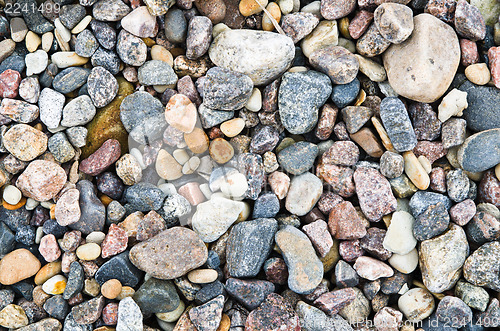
(74, 285)
(211, 117)
(157, 296)
(483, 110)
(145, 197)
(343, 95)
(224, 89)
(421, 200)
(480, 151)
(71, 15)
(298, 158)
(175, 26)
(7, 240)
(105, 34)
(93, 213)
(70, 79)
(397, 124)
(267, 205)
(34, 18)
(209, 292)
(250, 293)
(56, 307)
(248, 246)
(432, 222)
(119, 267)
(109, 60)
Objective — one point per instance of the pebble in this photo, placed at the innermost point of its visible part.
(129, 315)
(372, 269)
(345, 223)
(202, 276)
(478, 73)
(207, 316)
(101, 159)
(131, 49)
(156, 72)
(276, 54)
(394, 21)
(70, 79)
(86, 44)
(140, 22)
(372, 43)
(478, 152)
(273, 311)
(111, 288)
(479, 268)
(469, 22)
(92, 210)
(305, 190)
(391, 164)
(250, 293)
(55, 285)
(199, 36)
(445, 52)
(406, 263)
(298, 113)
(78, 111)
(13, 317)
(249, 245)
(397, 124)
(214, 217)
(110, 10)
(298, 25)
(441, 259)
(9, 83)
(453, 308)
(67, 59)
(102, 86)
(41, 180)
(75, 282)
(474, 296)
(335, 9)
(12, 271)
(432, 222)
(88, 252)
(298, 158)
(171, 253)
(11, 194)
(417, 304)
(29, 89)
(337, 62)
(157, 296)
(175, 26)
(304, 268)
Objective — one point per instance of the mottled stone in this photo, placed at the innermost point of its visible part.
(397, 124)
(273, 314)
(337, 62)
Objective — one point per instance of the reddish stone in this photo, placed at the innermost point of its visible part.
(215, 132)
(332, 302)
(89, 268)
(318, 291)
(442, 9)
(49, 248)
(489, 189)
(432, 150)
(374, 193)
(327, 201)
(335, 9)
(115, 242)
(339, 177)
(373, 243)
(150, 226)
(469, 22)
(274, 314)
(463, 212)
(110, 313)
(9, 83)
(76, 299)
(276, 270)
(350, 250)
(470, 55)
(425, 122)
(340, 131)
(191, 191)
(270, 96)
(102, 158)
(326, 121)
(438, 180)
(320, 237)
(494, 58)
(345, 223)
(186, 86)
(344, 153)
(66, 260)
(360, 23)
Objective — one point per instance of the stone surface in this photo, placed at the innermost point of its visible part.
(273, 314)
(179, 249)
(444, 51)
(304, 268)
(41, 180)
(225, 89)
(18, 265)
(481, 267)
(276, 53)
(337, 62)
(394, 21)
(397, 124)
(305, 190)
(479, 152)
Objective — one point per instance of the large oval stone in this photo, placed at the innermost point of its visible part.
(261, 55)
(18, 265)
(170, 254)
(480, 151)
(423, 66)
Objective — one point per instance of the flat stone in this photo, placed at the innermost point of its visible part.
(479, 152)
(483, 111)
(249, 244)
(101, 159)
(225, 89)
(412, 77)
(299, 114)
(442, 257)
(102, 86)
(129, 315)
(276, 53)
(70, 79)
(397, 124)
(298, 158)
(305, 190)
(372, 269)
(304, 267)
(170, 254)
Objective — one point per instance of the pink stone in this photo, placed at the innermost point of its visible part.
(442, 9)
(191, 191)
(470, 55)
(326, 121)
(339, 178)
(438, 180)
(186, 86)
(432, 150)
(276, 270)
(66, 260)
(320, 237)
(372, 269)
(388, 319)
(41, 180)
(71, 240)
(49, 248)
(327, 201)
(360, 23)
(344, 153)
(115, 241)
(102, 158)
(67, 209)
(489, 189)
(350, 250)
(110, 313)
(150, 226)
(9, 83)
(332, 302)
(345, 223)
(374, 193)
(280, 183)
(89, 268)
(494, 58)
(463, 212)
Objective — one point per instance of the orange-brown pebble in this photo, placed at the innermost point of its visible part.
(105, 200)
(16, 206)
(53, 212)
(221, 150)
(251, 7)
(111, 289)
(126, 292)
(196, 140)
(275, 11)
(225, 323)
(47, 271)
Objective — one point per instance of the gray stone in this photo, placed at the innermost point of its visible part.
(298, 158)
(86, 44)
(110, 10)
(224, 89)
(300, 96)
(78, 111)
(70, 79)
(475, 297)
(129, 316)
(211, 117)
(483, 111)
(480, 151)
(145, 197)
(249, 244)
(175, 26)
(457, 185)
(482, 268)
(71, 15)
(156, 72)
(397, 124)
(313, 319)
(102, 86)
(107, 59)
(74, 285)
(157, 296)
(51, 105)
(93, 212)
(199, 36)
(131, 49)
(60, 147)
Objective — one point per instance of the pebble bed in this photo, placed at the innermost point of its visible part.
(247, 165)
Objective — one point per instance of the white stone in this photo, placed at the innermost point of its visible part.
(82, 25)
(138, 156)
(399, 237)
(36, 62)
(404, 263)
(286, 6)
(139, 22)
(371, 69)
(168, 188)
(452, 104)
(31, 204)
(254, 103)
(51, 105)
(63, 31)
(303, 194)
(68, 59)
(129, 316)
(416, 304)
(54, 284)
(213, 217)
(181, 156)
(218, 28)
(313, 8)
(275, 53)
(96, 237)
(12, 195)
(324, 34)
(234, 185)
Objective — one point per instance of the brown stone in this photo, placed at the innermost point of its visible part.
(18, 265)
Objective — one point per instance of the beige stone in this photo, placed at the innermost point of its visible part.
(232, 127)
(162, 54)
(371, 69)
(25, 142)
(221, 150)
(173, 315)
(416, 304)
(13, 317)
(324, 34)
(275, 11)
(18, 265)
(47, 40)
(55, 285)
(18, 29)
(478, 73)
(32, 41)
(129, 169)
(68, 59)
(126, 292)
(181, 113)
(82, 25)
(202, 276)
(111, 289)
(167, 167)
(415, 171)
(197, 140)
(452, 104)
(88, 252)
(424, 65)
